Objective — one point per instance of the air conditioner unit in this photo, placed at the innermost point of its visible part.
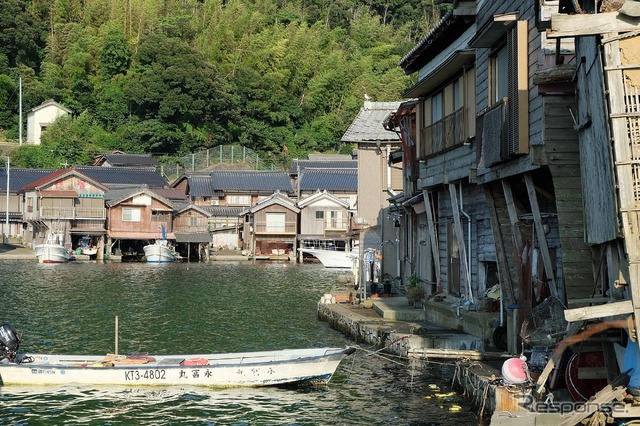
(215, 202)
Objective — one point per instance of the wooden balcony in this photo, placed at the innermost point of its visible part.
(443, 134)
(275, 228)
(72, 213)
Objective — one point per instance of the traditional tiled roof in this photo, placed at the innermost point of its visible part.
(170, 193)
(223, 211)
(202, 186)
(19, 178)
(368, 124)
(329, 179)
(277, 198)
(116, 196)
(53, 176)
(116, 176)
(130, 160)
(251, 181)
(322, 195)
(321, 164)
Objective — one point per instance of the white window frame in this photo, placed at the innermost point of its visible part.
(130, 214)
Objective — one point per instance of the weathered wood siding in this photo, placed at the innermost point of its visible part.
(562, 148)
(600, 209)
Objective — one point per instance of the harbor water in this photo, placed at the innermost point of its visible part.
(199, 308)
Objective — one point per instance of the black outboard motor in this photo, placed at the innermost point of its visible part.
(9, 342)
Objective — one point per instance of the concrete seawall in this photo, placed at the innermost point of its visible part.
(396, 328)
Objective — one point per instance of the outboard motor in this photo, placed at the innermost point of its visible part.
(9, 342)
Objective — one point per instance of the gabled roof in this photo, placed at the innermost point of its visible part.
(121, 159)
(250, 181)
(57, 175)
(116, 176)
(297, 166)
(19, 178)
(277, 198)
(116, 196)
(322, 195)
(49, 102)
(368, 127)
(329, 179)
(182, 209)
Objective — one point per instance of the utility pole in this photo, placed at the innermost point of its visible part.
(19, 114)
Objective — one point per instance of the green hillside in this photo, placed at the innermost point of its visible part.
(171, 77)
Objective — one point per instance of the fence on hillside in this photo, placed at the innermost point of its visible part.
(223, 157)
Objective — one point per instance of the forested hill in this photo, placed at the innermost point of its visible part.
(169, 77)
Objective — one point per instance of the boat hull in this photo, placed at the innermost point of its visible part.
(332, 258)
(51, 253)
(314, 366)
(156, 253)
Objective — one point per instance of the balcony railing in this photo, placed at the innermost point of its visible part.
(443, 134)
(275, 228)
(72, 213)
(336, 225)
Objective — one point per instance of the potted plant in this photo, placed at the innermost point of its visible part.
(415, 291)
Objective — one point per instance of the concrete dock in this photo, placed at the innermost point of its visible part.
(400, 329)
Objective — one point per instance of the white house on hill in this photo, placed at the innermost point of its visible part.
(40, 117)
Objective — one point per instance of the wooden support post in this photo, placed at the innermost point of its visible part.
(433, 236)
(461, 243)
(542, 239)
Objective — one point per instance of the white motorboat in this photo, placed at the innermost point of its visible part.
(333, 258)
(52, 250)
(159, 252)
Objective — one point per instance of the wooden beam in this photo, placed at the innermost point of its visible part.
(501, 255)
(461, 243)
(542, 238)
(513, 215)
(563, 26)
(599, 311)
(431, 229)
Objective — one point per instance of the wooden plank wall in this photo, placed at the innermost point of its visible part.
(563, 156)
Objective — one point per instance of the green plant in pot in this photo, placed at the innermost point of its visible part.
(415, 291)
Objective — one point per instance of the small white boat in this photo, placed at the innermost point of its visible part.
(268, 368)
(159, 252)
(52, 250)
(333, 258)
(86, 247)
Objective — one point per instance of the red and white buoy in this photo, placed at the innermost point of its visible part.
(514, 371)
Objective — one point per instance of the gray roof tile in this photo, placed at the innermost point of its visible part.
(368, 127)
(118, 176)
(19, 178)
(321, 164)
(329, 179)
(251, 181)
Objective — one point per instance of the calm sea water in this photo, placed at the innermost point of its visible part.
(198, 308)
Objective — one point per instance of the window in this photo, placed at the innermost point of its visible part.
(505, 122)
(499, 75)
(130, 215)
(239, 200)
(275, 222)
(319, 214)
